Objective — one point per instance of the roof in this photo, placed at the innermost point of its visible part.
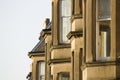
(39, 48)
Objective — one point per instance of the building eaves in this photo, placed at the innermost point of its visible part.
(40, 53)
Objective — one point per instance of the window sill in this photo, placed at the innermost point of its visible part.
(106, 19)
(103, 59)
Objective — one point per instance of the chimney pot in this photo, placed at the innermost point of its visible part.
(46, 22)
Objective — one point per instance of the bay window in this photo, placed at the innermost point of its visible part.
(102, 29)
(64, 18)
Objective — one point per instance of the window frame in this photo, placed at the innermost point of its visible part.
(60, 20)
(39, 70)
(98, 32)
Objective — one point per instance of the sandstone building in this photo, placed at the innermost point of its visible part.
(82, 42)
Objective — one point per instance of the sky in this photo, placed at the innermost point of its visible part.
(20, 24)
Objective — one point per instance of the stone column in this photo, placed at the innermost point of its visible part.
(55, 21)
(34, 77)
(47, 57)
(89, 26)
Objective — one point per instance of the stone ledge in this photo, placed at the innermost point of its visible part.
(38, 53)
(59, 60)
(76, 16)
(61, 46)
(75, 34)
(96, 64)
(44, 32)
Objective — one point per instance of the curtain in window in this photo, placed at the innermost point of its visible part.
(104, 40)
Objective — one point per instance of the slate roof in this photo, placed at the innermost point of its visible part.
(39, 48)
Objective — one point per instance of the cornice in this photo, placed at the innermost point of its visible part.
(38, 53)
(45, 32)
(74, 34)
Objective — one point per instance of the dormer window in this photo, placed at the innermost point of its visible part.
(64, 20)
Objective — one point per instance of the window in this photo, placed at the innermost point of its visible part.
(103, 9)
(103, 29)
(65, 25)
(63, 76)
(41, 74)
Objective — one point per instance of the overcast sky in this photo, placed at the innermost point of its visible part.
(20, 24)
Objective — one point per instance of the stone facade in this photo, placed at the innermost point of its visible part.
(91, 51)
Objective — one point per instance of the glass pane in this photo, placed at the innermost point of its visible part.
(103, 9)
(65, 8)
(65, 25)
(66, 28)
(41, 71)
(42, 68)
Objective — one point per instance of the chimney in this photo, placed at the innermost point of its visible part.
(46, 22)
